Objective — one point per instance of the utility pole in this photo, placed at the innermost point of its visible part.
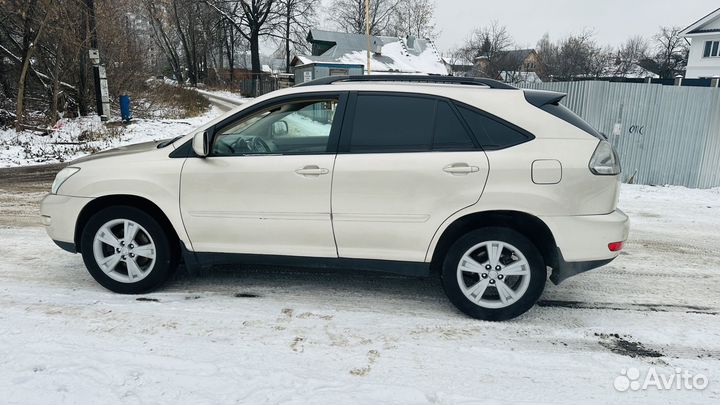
(367, 32)
(102, 95)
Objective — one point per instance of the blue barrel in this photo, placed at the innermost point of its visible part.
(125, 113)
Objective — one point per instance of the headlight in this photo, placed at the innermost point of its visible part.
(63, 175)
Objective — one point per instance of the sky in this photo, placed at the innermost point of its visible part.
(612, 21)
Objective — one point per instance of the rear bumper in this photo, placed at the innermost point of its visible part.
(582, 241)
(59, 215)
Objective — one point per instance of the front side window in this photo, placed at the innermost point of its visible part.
(403, 123)
(301, 127)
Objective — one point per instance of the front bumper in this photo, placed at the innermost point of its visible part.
(59, 214)
(582, 241)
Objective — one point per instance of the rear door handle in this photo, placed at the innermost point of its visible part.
(312, 170)
(460, 168)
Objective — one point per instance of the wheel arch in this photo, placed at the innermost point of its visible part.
(528, 225)
(100, 203)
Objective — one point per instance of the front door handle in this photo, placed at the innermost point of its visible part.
(312, 170)
(460, 168)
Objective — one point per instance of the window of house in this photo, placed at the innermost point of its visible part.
(711, 49)
(338, 72)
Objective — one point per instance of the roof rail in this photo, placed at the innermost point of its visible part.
(493, 84)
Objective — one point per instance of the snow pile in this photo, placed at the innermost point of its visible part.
(395, 58)
(73, 138)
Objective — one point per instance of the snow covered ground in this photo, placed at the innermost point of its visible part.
(279, 335)
(81, 136)
(73, 138)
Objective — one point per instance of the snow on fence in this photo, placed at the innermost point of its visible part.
(663, 134)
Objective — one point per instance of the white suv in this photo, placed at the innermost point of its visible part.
(484, 184)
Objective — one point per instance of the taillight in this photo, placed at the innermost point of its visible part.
(615, 246)
(604, 162)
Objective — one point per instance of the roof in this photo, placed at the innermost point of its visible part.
(516, 56)
(708, 24)
(401, 55)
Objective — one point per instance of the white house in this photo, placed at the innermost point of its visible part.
(704, 35)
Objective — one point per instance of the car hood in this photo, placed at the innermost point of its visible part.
(121, 151)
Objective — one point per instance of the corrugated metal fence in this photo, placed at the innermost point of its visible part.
(663, 134)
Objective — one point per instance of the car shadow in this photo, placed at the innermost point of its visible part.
(311, 285)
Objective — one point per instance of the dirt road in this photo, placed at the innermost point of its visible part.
(21, 189)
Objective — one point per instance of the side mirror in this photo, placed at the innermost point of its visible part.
(279, 128)
(201, 144)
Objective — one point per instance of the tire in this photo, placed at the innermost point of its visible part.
(150, 250)
(484, 292)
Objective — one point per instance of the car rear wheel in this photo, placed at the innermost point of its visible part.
(493, 274)
(126, 250)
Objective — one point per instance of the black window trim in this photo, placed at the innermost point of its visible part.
(349, 120)
(527, 134)
(185, 150)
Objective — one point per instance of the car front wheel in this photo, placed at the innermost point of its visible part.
(493, 274)
(126, 250)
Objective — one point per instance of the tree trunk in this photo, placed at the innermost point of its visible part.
(287, 41)
(82, 76)
(55, 87)
(231, 53)
(255, 59)
(30, 50)
(186, 48)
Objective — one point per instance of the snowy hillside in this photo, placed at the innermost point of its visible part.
(73, 138)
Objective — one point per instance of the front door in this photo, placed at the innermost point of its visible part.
(265, 186)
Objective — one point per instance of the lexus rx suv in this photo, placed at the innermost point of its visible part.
(492, 188)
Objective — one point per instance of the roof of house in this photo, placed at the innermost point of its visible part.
(708, 24)
(402, 55)
(515, 56)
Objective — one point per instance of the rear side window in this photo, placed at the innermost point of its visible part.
(491, 133)
(450, 134)
(386, 123)
(389, 123)
(570, 117)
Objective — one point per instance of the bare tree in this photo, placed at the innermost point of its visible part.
(253, 20)
(159, 22)
(577, 56)
(670, 53)
(184, 14)
(488, 47)
(297, 17)
(549, 55)
(629, 56)
(34, 22)
(414, 18)
(349, 15)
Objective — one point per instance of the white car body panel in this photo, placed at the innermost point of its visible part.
(258, 205)
(388, 205)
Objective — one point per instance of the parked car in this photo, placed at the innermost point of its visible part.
(490, 187)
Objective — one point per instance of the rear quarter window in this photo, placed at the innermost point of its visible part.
(491, 132)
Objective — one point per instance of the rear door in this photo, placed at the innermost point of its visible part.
(405, 164)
